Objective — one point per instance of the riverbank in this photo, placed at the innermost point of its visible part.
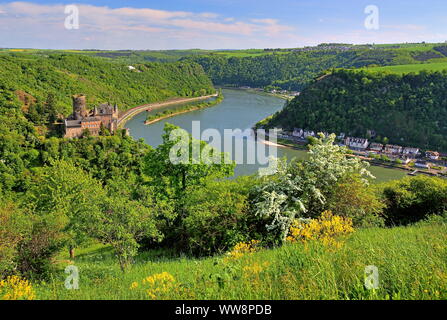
(172, 113)
(261, 92)
(282, 143)
(129, 114)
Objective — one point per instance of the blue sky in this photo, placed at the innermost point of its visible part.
(217, 24)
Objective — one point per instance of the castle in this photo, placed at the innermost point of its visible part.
(82, 119)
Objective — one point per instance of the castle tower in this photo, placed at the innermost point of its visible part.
(79, 107)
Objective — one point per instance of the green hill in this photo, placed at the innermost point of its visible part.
(35, 76)
(409, 109)
(408, 68)
(294, 69)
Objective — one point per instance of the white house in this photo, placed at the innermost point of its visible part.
(393, 149)
(308, 134)
(377, 147)
(356, 143)
(411, 151)
(433, 155)
(297, 132)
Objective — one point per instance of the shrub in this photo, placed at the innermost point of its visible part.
(217, 217)
(15, 288)
(357, 200)
(14, 228)
(413, 199)
(326, 229)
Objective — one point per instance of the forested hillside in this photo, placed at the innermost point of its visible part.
(409, 109)
(294, 70)
(34, 76)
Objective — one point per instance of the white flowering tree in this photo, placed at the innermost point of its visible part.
(301, 188)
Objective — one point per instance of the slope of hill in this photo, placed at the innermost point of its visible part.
(409, 109)
(35, 76)
(408, 68)
(294, 69)
(294, 271)
(290, 69)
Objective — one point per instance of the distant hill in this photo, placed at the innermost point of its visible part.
(34, 76)
(408, 109)
(295, 68)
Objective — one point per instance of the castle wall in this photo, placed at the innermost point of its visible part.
(73, 132)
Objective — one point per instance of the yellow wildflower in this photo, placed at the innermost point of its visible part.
(243, 248)
(15, 288)
(325, 229)
(158, 286)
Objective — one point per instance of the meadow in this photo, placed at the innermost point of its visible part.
(408, 68)
(411, 264)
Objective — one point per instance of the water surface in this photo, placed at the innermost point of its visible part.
(239, 110)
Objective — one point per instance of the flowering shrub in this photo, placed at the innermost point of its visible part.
(158, 286)
(14, 288)
(243, 248)
(325, 229)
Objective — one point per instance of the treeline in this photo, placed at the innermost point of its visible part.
(294, 70)
(406, 109)
(33, 77)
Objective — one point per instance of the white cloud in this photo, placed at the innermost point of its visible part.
(42, 26)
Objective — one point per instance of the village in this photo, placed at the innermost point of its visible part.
(410, 158)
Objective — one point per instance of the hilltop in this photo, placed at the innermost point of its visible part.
(405, 108)
(271, 68)
(34, 75)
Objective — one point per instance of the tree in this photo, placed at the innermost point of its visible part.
(355, 199)
(174, 170)
(15, 227)
(50, 108)
(304, 187)
(217, 216)
(68, 193)
(121, 223)
(413, 198)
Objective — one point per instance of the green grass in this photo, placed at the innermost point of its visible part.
(412, 264)
(408, 68)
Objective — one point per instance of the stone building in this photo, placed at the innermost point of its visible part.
(82, 119)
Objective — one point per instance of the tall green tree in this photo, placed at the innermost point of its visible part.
(174, 168)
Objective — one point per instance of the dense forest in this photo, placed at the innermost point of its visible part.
(34, 76)
(294, 70)
(407, 109)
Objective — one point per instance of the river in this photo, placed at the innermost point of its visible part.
(239, 110)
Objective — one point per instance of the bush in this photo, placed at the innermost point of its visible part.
(217, 217)
(14, 228)
(354, 199)
(412, 199)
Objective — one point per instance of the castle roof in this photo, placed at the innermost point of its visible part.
(78, 123)
(105, 108)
